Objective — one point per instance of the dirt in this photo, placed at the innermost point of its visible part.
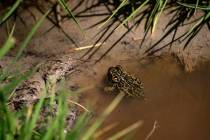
(176, 86)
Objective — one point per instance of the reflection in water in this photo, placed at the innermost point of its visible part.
(178, 101)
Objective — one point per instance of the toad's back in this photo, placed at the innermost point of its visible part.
(119, 80)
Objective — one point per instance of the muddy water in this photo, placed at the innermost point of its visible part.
(178, 101)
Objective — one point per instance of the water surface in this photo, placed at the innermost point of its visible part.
(178, 101)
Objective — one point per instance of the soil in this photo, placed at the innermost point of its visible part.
(176, 81)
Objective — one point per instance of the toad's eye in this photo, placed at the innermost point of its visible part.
(112, 70)
(115, 79)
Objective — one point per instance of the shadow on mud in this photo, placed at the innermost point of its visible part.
(180, 15)
(143, 12)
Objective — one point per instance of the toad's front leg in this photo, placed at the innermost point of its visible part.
(111, 89)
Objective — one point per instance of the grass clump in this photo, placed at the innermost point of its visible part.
(28, 122)
(24, 124)
(180, 11)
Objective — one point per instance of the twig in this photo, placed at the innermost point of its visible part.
(73, 102)
(155, 126)
(87, 47)
(105, 129)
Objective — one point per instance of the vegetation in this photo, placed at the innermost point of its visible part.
(193, 14)
(184, 10)
(23, 124)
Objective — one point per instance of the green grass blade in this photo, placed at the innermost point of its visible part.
(114, 13)
(7, 119)
(56, 129)
(126, 131)
(194, 6)
(202, 20)
(8, 44)
(81, 122)
(7, 89)
(8, 122)
(103, 116)
(133, 13)
(158, 15)
(62, 112)
(151, 17)
(69, 11)
(51, 131)
(10, 12)
(30, 35)
(197, 24)
(30, 124)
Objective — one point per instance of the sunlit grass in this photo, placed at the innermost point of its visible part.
(152, 11)
(8, 44)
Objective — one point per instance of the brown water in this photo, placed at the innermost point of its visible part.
(178, 101)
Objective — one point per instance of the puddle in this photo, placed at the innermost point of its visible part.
(178, 101)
